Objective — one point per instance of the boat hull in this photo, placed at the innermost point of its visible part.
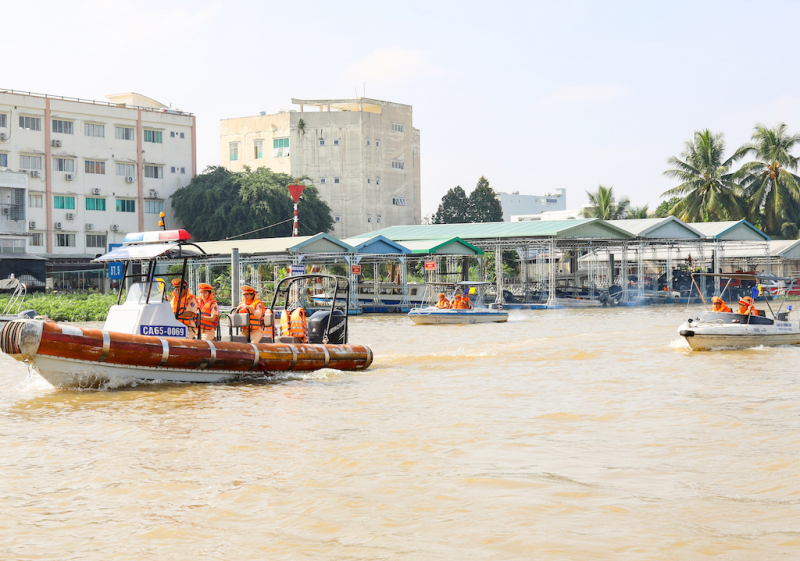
(69, 356)
(740, 335)
(435, 316)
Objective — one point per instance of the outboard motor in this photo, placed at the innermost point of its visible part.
(318, 323)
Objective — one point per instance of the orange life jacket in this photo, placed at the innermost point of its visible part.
(722, 308)
(467, 301)
(256, 323)
(460, 305)
(298, 327)
(185, 304)
(206, 309)
(443, 303)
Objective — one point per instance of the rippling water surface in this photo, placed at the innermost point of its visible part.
(563, 434)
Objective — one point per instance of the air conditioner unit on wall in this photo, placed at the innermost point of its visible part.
(55, 143)
(3, 136)
(57, 225)
(89, 226)
(70, 216)
(129, 179)
(96, 191)
(32, 224)
(34, 173)
(70, 176)
(115, 227)
(153, 194)
(6, 210)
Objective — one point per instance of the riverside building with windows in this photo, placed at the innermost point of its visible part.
(95, 170)
(362, 154)
(529, 205)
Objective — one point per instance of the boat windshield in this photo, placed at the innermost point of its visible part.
(138, 293)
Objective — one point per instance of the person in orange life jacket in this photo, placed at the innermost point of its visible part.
(186, 309)
(718, 305)
(255, 307)
(443, 302)
(209, 312)
(747, 307)
(458, 303)
(467, 302)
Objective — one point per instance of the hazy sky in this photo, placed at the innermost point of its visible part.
(533, 95)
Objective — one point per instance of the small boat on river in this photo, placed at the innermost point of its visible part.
(719, 330)
(143, 339)
(479, 313)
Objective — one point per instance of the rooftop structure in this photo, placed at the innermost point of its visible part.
(515, 203)
(363, 155)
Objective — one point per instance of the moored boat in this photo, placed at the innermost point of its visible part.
(143, 339)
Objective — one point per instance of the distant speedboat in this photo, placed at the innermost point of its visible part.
(431, 315)
(715, 330)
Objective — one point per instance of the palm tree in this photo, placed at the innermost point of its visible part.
(638, 211)
(604, 205)
(769, 182)
(709, 190)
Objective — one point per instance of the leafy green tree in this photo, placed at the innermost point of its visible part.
(603, 204)
(665, 207)
(769, 182)
(218, 204)
(638, 212)
(708, 188)
(483, 203)
(454, 208)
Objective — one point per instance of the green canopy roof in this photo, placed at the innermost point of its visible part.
(452, 246)
(589, 228)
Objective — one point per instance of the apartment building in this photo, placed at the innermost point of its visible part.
(516, 204)
(95, 170)
(362, 154)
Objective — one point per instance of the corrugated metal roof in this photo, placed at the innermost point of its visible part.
(488, 230)
(451, 246)
(275, 246)
(669, 227)
(718, 229)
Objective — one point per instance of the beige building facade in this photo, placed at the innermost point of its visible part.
(362, 154)
(94, 170)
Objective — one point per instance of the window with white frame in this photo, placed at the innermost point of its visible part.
(369, 180)
(336, 180)
(95, 167)
(3, 160)
(323, 180)
(37, 238)
(95, 240)
(377, 181)
(62, 127)
(12, 246)
(280, 147)
(172, 169)
(258, 149)
(28, 163)
(233, 148)
(95, 203)
(64, 202)
(399, 201)
(377, 143)
(336, 142)
(153, 207)
(4, 120)
(369, 142)
(93, 129)
(30, 123)
(397, 127)
(65, 240)
(35, 201)
(337, 218)
(183, 170)
(369, 219)
(378, 219)
(126, 205)
(153, 136)
(172, 134)
(125, 170)
(398, 164)
(322, 142)
(154, 172)
(182, 135)
(64, 164)
(124, 133)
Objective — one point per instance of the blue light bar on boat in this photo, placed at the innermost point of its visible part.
(158, 236)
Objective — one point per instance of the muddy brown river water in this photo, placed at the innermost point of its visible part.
(563, 434)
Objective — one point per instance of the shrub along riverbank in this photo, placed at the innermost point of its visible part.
(67, 307)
